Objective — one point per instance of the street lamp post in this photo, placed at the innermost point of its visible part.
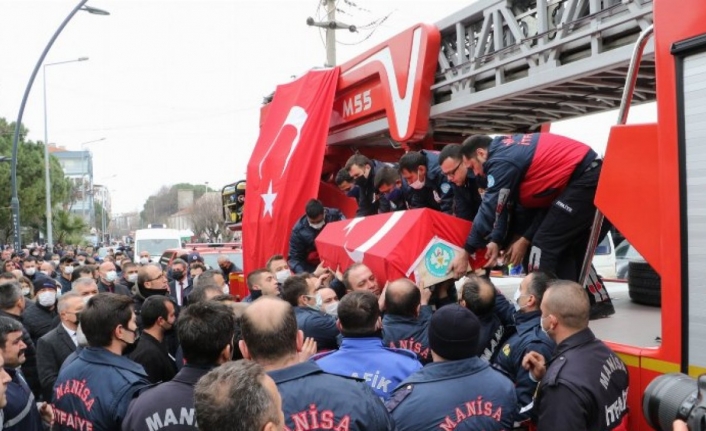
(47, 178)
(15, 201)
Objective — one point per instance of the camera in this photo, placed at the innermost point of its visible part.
(675, 396)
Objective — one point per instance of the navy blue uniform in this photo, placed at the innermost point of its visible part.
(399, 199)
(369, 203)
(94, 391)
(463, 395)
(21, 412)
(321, 327)
(437, 192)
(301, 242)
(366, 358)
(467, 199)
(313, 399)
(168, 406)
(584, 388)
(496, 327)
(409, 333)
(529, 338)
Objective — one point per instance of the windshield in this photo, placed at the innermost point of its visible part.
(155, 247)
(211, 260)
(604, 246)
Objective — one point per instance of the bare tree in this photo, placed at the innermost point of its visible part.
(206, 215)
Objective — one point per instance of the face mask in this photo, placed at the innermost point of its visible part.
(111, 276)
(417, 185)
(516, 298)
(68, 270)
(25, 291)
(132, 278)
(86, 298)
(332, 309)
(541, 326)
(55, 262)
(352, 193)
(35, 254)
(282, 275)
(47, 299)
(30, 271)
(47, 273)
(318, 225)
(177, 275)
(394, 195)
(225, 289)
(81, 262)
(144, 261)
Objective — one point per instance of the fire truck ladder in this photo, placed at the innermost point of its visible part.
(511, 65)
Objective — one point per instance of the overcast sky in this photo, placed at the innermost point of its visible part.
(175, 87)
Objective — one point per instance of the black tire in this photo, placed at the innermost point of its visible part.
(644, 284)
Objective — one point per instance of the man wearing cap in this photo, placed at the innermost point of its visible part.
(458, 389)
(41, 317)
(362, 353)
(66, 268)
(585, 385)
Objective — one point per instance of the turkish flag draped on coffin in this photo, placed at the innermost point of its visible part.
(285, 166)
(389, 244)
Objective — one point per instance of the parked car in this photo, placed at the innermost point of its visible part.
(604, 259)
(624, 253)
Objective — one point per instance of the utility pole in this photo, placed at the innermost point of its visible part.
(331, 25)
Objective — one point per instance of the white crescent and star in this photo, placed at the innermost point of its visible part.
(359, 252)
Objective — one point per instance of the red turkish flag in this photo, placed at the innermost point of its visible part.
(285, 166)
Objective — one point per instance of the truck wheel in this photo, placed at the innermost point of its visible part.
(644, 284)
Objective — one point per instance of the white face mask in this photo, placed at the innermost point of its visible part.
(132, 278)
(541, 326)
(46, 298)
(86, 298)
(144, 260)
(56, 263)
(516, 298)
(68, 270)
(318, 225)
(25, 291)
(226, 289)
(331, 309)
(111, 276)
(81, 262)
(47, 273)
(282, 275)
(417, 185)
(30, 271)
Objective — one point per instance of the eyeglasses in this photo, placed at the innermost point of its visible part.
(157, 277)
(453, 172)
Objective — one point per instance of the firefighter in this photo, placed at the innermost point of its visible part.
(394, 188)
(430, 189)
(466, 186)
(363, 171)
(536, 171)
(303, 256)
(585, 385)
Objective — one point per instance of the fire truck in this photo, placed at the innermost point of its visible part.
(514, 66)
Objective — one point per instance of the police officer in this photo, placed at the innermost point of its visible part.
(458, 390)
(206, 331)
(536, 171)
(363, 171)
(466, 188)
(405, 324)
(585, 386)
(394, 188)
(302, 249)
(529, 338)
(322, 400)
(94, 390)
(430, 188)
(302, 296)
(494, 312)
(362, 353)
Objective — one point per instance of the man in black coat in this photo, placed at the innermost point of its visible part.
(107, 277)
(54, 347)
(158, 317)
(303, 256)
(40, 317)
(180, 286)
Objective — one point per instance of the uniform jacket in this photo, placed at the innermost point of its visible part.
(531, 170)
(52, 351)
(496, 327)
(465, 395)
(39, 320)
(154, 358)
(155, 408)
(313, 399)
(321, 327)
(367, 358)
(467, 199)
(529, 338)
(114, 288)
(301, 242)
(97, 387)
(400, 199)
(584, 388)
(29, 368)
(20, 413)
(437, 192)
(409, 333)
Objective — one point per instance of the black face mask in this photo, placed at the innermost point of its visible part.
(146, 293)
(361, 180)
(178, 275)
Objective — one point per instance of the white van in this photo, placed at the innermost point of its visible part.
(604, 259)
(156, 241)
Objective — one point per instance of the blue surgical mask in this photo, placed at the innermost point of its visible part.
(394, 194)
